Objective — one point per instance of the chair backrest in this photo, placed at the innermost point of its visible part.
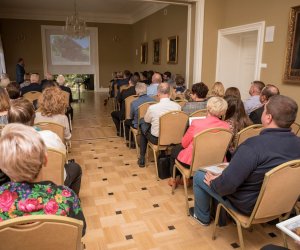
(279, 192)
(32, 95)
(128, 101)
(66, 97)
(54, 171)
(199, 113)
(37, 232)
(248, 132)
(52, 126)
(210, 147)
(172, 126)
(295, 128)
(181, 102)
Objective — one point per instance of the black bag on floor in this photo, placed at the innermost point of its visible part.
(163, 166)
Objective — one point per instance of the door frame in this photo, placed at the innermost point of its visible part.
(259, 27)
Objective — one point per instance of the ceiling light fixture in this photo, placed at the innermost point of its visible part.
(75, 26)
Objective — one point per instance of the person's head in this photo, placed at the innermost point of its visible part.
(144, 75)
(137, 74)
(217, 89)
(21, 111)
(280, 111)
(34, 78)
(199, 91)
(52, 102)
(268, 91)
(233, 91)
(21, 61)
(4, 100)
(60, 80)
(216, 106)
(48, 84)
(167, 75)
(141, 88)
(156, 78)
(163, 90)
(133, 80)
(49, 76)
(127, 74)
(149, 75)
(179, 80)
(256, 88)
(236, 112)
(13, 90)
(4, 82)
(22, 152)
(26, 77)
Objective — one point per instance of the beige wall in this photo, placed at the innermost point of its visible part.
(229, 13)
(161, 26)
(22, 38)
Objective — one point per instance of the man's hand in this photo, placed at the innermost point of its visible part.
(209, 176)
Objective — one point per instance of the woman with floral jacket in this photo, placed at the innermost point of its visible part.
(22, 155)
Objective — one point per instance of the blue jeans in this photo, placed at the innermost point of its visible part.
(202, 196)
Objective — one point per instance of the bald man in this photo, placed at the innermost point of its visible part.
(152, 89)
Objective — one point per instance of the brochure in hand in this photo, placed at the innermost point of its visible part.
(291, 227)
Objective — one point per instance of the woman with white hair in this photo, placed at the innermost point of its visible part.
(23, 154)
(216, 107)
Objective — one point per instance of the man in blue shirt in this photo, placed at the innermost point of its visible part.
(152, 88)
(239, 184)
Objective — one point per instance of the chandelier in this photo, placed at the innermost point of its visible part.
(75, 26)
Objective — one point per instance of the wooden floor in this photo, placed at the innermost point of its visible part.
(126, 207)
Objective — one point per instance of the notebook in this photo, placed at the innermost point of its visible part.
(216, 169)
(291, 227)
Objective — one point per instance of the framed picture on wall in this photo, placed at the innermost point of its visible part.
(172, 50)
(156, 51)
(144, 53)
(292, 64)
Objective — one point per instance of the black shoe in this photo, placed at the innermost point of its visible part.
(141, 162)
(192, 214)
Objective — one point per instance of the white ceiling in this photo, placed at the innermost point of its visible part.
(109, 11)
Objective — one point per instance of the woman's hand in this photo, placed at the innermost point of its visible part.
(209, 176)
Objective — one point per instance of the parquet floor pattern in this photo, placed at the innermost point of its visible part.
(126, 207)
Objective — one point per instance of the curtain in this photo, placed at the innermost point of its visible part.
(2, 61)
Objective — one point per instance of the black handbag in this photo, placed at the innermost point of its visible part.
(163, 166)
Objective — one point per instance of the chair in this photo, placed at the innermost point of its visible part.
(136, 131)
(276, 199)
(36, 232)
(181, 102)
(209, 148)
(54, 127)
(54, 171)
(295, 128)
(128, 101)
(116, 103)
(32, 96)
(199, 113)
(172, 127)
(67, 100)
(247, 132)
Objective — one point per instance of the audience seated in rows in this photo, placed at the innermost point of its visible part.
(239, 184)
(216, 107)
(22, 111)
(237, 119)
(34, 84)
(52, 107)
(141, 91)
(198, 96)
(4, 106)
(253, 102)
(119, 115)
(152, 88)
(23, 154)
(268, 91)
(150, 124)
(233, 91)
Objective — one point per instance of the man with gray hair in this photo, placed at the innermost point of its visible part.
(268, 91)
(253, 101)
(141, 91)
(150, 124)
(156, 80)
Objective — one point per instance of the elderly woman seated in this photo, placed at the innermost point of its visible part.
(22, 156)
(52, 108)
(216, 107)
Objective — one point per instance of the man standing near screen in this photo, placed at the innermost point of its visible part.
(20, 71)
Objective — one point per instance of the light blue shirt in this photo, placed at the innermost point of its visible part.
(152, 89)
(252, 103)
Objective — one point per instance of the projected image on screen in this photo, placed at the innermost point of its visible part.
(69, 51)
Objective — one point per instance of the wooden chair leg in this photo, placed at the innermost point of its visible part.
(155, 161)
(124, 135)
(216, 222)
(186, 195)
(136, 145)
(174, 178)
(240, 233)
(130, 138)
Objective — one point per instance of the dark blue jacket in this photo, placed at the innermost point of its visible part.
(241, 181)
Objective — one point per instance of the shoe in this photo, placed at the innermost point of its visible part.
(192, 214)
(189, 182)
(141, 162)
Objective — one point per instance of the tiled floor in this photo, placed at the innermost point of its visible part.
(126, 207)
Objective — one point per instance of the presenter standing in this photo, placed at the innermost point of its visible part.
(20, 71)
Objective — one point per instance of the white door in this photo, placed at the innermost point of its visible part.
(239, 58)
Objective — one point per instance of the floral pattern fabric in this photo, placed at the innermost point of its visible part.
(21, 199)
